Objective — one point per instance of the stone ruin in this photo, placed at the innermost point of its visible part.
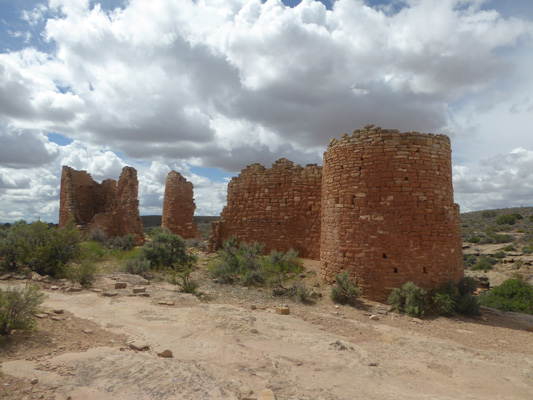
(110, 207)
(279, 207)
(381, 207)
(178, 207)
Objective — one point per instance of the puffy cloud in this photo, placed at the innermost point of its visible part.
(230, 82)
(503, 180)
(22, 148)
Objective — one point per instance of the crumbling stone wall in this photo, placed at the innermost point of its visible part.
(178, 207)
(388, 215)
(110, 207)
(279, 207)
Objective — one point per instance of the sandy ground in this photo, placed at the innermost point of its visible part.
(235, 338)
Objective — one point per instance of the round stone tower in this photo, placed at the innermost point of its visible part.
(388, 215)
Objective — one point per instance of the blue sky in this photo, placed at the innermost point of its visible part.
(206, 90)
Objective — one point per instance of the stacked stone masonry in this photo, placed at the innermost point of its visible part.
(279, 207)
(381, 208)
(178, 207)
(388, 215)
(109, 207)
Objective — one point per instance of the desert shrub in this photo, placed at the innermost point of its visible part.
(303, 293)
(409, 299)
(165, 250)
(344, 291)
(180, 275)
(467, 305)
(124, 243)
(199, 243)
(227, 269)
(250, 257)
(18, 307)
(498, 238)
(92, 251)
(466, 285)
(40, 247)
(508, 219)
(499, 255)
(97, 235)
(488, 214)
(510, 247)
(485, 263)
(469, 260)
(528, 249)
(246, 264)
(451, 298)
(279, 266)
(444, 303)
(511, 295)
(253, 277)
(83, 272)
(473, 239)
(137, 266)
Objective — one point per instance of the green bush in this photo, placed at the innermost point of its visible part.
(528, 249)
(92, 251)
(18, 307)
(485, 263)
(508, 219)
(451, 298)
(181, 275)
(499, 255)
(469, 260)
(83, 272)
(279, 266)
(40, 247)
(165, 250)
(511, 295)
(228, 268)
(246, 264)
(511, 247)
(409, 299)
(344, 292)
(303, 293)
(466, 285)
(445, 304)
(137, 266)
(488, 214)
(124, 243)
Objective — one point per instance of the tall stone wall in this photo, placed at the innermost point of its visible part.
(279, 207)
(178, 207)
(110, 207)
(388, 214)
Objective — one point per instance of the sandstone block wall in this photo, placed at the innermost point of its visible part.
(279, 207)
(178, 207)
(388, 215)
(110, 207)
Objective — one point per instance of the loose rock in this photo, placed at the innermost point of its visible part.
(267, 394)
(165, 354)
(121, 285)
(139, 346)
(139, 289)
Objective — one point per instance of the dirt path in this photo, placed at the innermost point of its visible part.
(316, 352)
